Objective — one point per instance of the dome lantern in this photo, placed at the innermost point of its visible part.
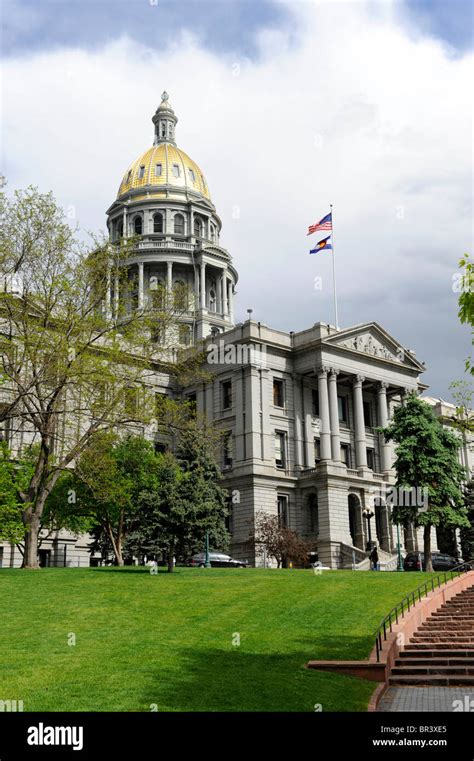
(165, 121)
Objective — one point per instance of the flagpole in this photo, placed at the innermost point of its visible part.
(334, 268)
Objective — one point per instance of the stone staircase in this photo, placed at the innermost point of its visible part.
(441, 651)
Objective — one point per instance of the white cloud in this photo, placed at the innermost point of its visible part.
(356, 113)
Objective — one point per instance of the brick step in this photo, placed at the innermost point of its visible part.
(447, 626)
(447, 636)
(423, 646)
(424, 653)
(441, 616)
(459, 606)
(433, 669)
(429, 680)
(433, 661)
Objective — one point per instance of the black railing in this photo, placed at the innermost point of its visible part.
(409, 601)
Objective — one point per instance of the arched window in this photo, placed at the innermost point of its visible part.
(138, 225)
(180, 295)
(212, 300)
(158, 223)
(198, 227)
(213, 234)
(178, 224)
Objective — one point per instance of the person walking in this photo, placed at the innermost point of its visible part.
(374, 559)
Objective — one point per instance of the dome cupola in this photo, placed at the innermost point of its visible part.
(165, 121)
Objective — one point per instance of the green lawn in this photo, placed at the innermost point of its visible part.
(168, 639)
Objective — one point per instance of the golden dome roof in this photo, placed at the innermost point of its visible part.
(164, 166)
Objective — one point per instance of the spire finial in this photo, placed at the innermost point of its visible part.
(165, 121)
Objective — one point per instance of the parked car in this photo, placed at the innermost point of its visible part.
(217, 560)
(415, 561)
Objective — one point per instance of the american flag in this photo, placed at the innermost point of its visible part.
(324, 224)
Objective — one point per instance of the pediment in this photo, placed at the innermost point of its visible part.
(371, 339)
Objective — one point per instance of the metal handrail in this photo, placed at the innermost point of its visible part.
(399, 609)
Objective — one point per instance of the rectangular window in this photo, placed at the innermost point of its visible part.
(192, 176)
(282, 507)
(226, 395)
(280, 449)
(371, 459)
(227, 450)
(175, 170)
(315, 401)
(367, 415)
(278, 392)
(141, 173)
(346, 454)
(158, 170)
(317, 451)
(342, 409)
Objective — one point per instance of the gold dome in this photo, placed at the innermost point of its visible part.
(162, 167)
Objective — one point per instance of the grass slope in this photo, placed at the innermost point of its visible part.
(168, 639)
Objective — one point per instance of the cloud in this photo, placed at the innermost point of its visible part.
(358, 114)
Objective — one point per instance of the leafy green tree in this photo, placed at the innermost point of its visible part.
(467, 532)
(109, 476)
(186, 503)
(426, 459)
(73, 361)
(465, 287)
(13, 477)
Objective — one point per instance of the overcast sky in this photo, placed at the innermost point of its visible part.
(287, 107)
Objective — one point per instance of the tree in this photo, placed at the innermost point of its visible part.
(426, 460)
(280, 542)
(13, 476)
(465, 286)
(186, 502)
(109, 476)
(74, 362)
(467, 532)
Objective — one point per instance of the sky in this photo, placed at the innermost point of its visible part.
(287, 107)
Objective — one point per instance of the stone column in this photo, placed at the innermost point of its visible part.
(140, 285)
(125, 222)
(325, 435)
(383, 421)
(203, 285)
(231, 301)
(169, 277)
(225, 307)
(196, 289)
(108, 311)
(359, 424)
(334, 417)
(116, 296)
(297, 402)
